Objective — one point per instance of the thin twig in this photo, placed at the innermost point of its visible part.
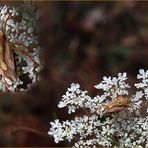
(26, 54)
(27, 129)
(21, 44)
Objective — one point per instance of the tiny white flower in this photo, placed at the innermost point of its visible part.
(10, 22)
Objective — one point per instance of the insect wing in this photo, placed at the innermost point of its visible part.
(116, 105)
(2, 61)
(10, 73)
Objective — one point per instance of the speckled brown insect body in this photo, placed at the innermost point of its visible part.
(7, 62)
(116, 105)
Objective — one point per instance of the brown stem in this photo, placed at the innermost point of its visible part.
(27, 129)
(86, 111)
(26, 54)
(21, 44)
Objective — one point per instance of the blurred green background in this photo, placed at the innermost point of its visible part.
(80, 42)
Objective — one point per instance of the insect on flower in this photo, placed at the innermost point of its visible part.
(8, 66)
(7, 62)
(117, 105)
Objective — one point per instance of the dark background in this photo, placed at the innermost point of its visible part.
(80, 42)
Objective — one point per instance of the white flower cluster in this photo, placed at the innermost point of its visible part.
(114, 87)
(120, 128)
(74, 98)
(144, 83)
(18, 30)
